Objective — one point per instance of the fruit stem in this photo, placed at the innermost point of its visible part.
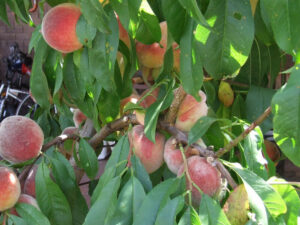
(252, 126)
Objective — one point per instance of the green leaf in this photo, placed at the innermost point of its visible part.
(108, 106)
(252, 148)
(88, 159)
(51, 199)
(192, 8)
(291, 198)
(38, 81)
(65, 177)
(57, 2)
(102, 55)
(175, 16)
(16, 220)
(148, 211)
(73, 79)
(190, 216)
(286, 111)
(200, 128)
(163, 101)
(210, 212)
(35, 38)
(258, 100)
(191, 72)
(85, 32)
(101, 208)
(31, 214)
(140, 173)
(129, 201)
(226, 47)
(3, 13)
(18, 7)
(238, 108)
(167, 215)
(259, 191)
(284, 17)
(95, 15)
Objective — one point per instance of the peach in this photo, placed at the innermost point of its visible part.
(146, 103)
(225, 94)
(133, 98)
(78, 117)
(10, 188)
(152, 56)
(204, 175)
(150, 154)
(150, 74)
(237, 206)
(29, 185)
(70, 130)
(59, 27)
(173, 156)
(123, 35)
(25, 199)
(21, 139)
(272, 150)
(190, 111)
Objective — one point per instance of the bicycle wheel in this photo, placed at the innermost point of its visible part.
(27, 105)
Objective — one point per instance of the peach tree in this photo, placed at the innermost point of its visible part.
(179, 93)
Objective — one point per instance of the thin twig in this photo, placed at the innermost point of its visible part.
(226, 174)
(233, 143)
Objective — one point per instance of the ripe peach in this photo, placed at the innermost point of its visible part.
(204, 175)
(150, 74)
(133, 98)
(70, 130)
(150, 154)
(25, 199)
(272, 150)
(29, 185)
(21, 139)
(237, 206)
(190, 111)
(10, 188)
(146, 103)
(152, 56)
(173, 156)
(123, 35)
(78, 117)
(59, 27)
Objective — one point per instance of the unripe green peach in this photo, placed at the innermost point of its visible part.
(204, 175)
(150, 154)
(237, 206)
(190, 110)
(225, 94)
(10, 188)
(21, 139)
(59, 27)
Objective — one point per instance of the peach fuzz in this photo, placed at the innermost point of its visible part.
(272, 150)
(123, 35)
(70, 130)
(146, 103)
(190, 111)
(25, 199)
(10, 188)
(173, 156)
(204, 175)
(21, 139)
(152, 56)
(150, 154)
(78, 117)
(59, 27)
(29, 185)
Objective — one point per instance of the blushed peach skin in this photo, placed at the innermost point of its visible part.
(29, 186)
(204, 175)
(150, 154)
(190, 111)
(78, 117)
(21, 139)
(59, 27)
(152, 56)
(10, 188)
(25, 199)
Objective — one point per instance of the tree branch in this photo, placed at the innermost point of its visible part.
(233, 143)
